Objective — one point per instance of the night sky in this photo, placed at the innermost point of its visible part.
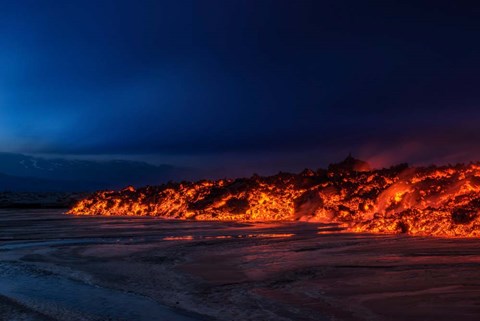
(241, 85)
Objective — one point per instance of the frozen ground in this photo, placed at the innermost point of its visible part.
(59, 267)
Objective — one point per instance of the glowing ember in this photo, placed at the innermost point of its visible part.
(439, 201)
(178, 238)
(271, 235)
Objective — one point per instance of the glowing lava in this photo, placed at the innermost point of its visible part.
(438, 201)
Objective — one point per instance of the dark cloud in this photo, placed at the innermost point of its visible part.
(243, 77)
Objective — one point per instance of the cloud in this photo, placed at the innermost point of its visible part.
(191, 79)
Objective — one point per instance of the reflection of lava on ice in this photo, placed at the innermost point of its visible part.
(440, 201)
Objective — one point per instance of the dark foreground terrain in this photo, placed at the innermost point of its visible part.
(61, 267)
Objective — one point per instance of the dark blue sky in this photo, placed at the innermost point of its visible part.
(258, 84)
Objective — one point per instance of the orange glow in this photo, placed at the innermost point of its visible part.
(271, 235)
(178, 238)
(437, 201)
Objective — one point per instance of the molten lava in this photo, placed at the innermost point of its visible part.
(437, 201)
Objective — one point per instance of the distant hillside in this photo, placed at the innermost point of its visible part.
(27, 173)
(32, 184)
(15, 200)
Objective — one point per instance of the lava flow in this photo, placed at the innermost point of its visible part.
(437, 201)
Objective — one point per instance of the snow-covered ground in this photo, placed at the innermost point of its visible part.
(61, 267)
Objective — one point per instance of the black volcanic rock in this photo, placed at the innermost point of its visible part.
(350, 164)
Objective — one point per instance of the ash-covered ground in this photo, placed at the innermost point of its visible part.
(62, 267)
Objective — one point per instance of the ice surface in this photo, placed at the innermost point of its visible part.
(60, 267)
(69, 299)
